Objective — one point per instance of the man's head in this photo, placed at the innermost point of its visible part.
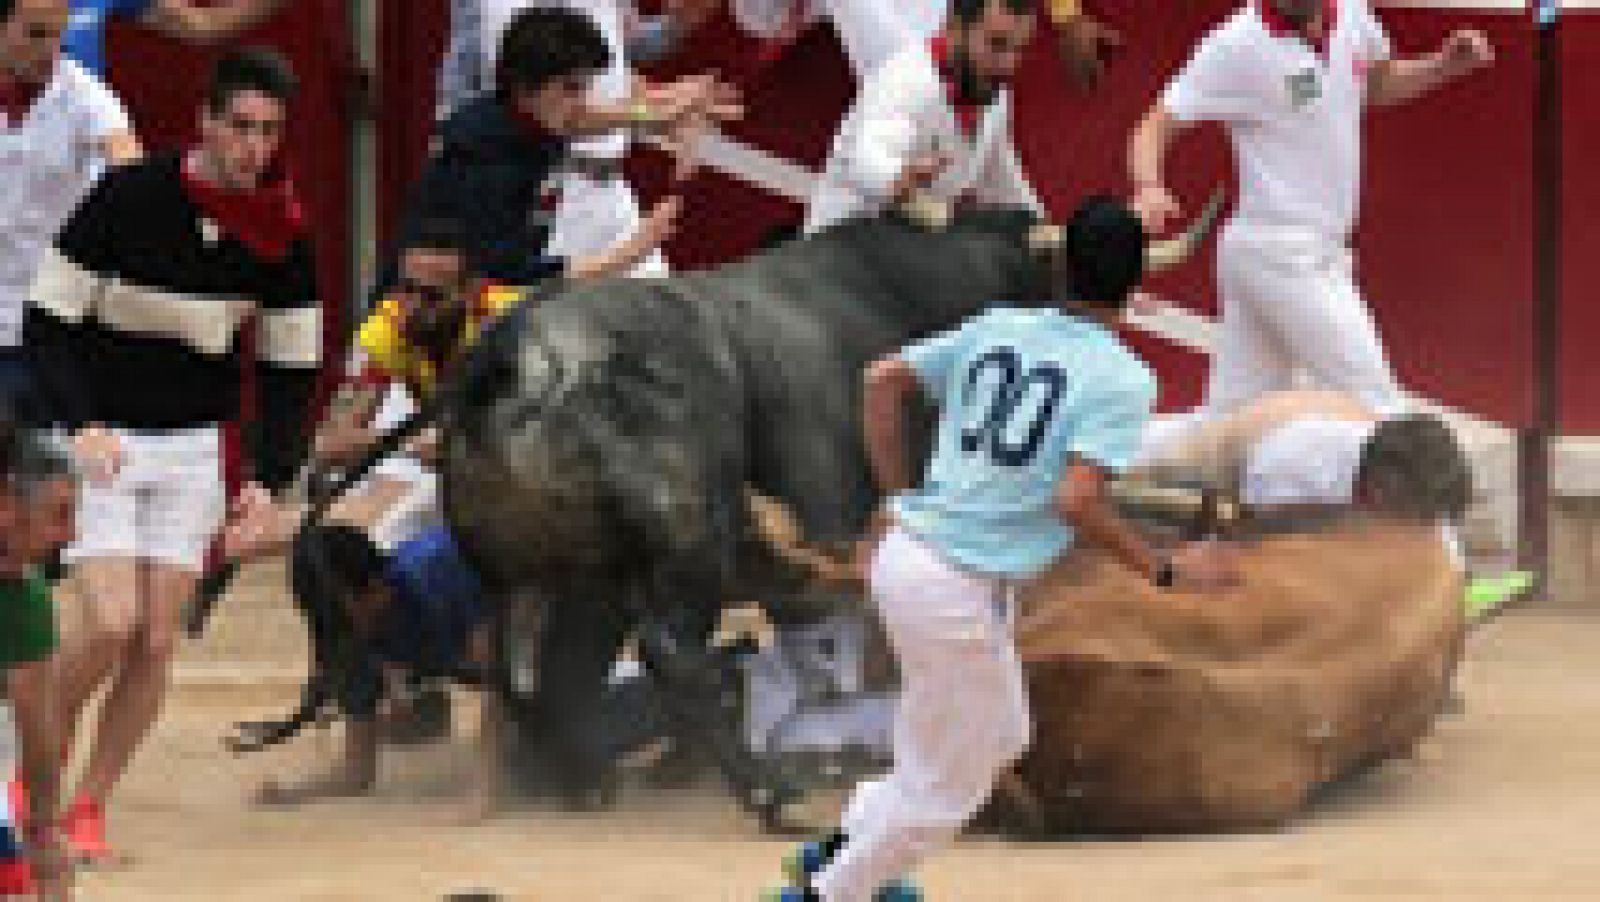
(1412, 466)
(434, 286)
(1300, 12)
(987, 39)
(1103, 255)
(244, 115)
(40, 499)
(549, 59)
(30, 38)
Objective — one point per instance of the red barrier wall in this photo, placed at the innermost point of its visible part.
(1580, 385)
(1445, 246)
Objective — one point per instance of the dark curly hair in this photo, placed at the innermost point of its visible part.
(1413, 466)
(258, 69)
(542, 44)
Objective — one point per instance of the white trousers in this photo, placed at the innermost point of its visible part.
(595, 214)
(1290, 307)
(963, 716)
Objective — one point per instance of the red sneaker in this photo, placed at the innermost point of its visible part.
(16, 878)
(84, 825)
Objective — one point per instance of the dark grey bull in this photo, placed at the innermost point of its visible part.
(601, 441)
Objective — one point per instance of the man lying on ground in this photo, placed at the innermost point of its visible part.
(1308, 450)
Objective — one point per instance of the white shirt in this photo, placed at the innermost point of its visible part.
(1306, 461)
(48, 162)
(1293, 116)
(871, 31)
(614, 84)
(904, 112)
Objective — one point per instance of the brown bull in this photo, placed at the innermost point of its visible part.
(1157, 711)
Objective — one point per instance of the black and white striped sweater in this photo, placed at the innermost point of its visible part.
(136, 319)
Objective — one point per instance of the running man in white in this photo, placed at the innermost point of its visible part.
(872, 31)
(935, 120)
(1038, 407)
(1290, 80)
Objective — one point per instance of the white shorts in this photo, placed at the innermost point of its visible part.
(165, 504)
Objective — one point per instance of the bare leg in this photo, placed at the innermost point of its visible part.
(140, 687)
(95, 645)
(488, 779)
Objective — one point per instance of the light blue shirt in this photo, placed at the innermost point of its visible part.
(85, 37)
(1021, 392)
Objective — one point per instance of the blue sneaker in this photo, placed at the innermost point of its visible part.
(809, 860)
(894, 891)
(901, 890)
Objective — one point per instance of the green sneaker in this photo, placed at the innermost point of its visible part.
(1486, 595)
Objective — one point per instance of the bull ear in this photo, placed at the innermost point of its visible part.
(1161, 256)
(1046, 239)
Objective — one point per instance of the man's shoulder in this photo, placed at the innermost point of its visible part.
(1239, 31)
(82, 87)
(911, 71)
(149, 179)
(1118, 370)
(483, 125)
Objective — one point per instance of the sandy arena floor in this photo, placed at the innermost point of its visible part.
(1503, 804)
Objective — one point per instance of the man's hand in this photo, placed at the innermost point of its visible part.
(659, 225)
(1465, 51)
(98, 451)
(258, 526)
(1087, 46)
(918, 174)
(1205, 566)
(426, 446)
(340, 441)
(693, 98)
(1156, 207)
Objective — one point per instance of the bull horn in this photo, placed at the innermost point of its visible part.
(927, 211)
(1046, 238)
(1161, 256)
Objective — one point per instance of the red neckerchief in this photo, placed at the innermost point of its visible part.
(796, 21)
(1279, 25)
(266, 220)
(966, 111)
(18, 97)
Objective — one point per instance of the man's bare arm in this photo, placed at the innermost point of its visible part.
(201, 24)
(120, 148)
(890, 383)
(1147, 153)
(1397, 81)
